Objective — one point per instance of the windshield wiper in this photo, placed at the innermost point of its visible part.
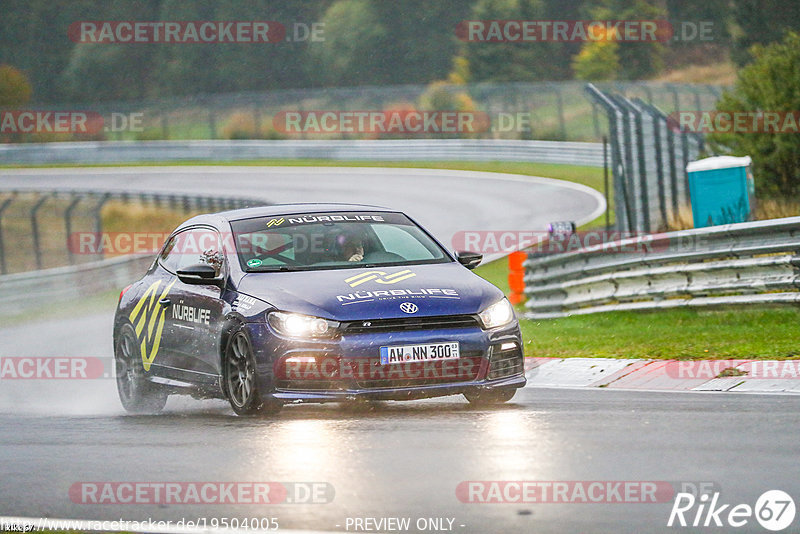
(278, 269)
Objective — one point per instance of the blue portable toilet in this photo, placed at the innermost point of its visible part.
(722, 190)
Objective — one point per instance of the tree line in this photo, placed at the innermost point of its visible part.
(364, 42)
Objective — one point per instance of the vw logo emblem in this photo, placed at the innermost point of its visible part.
(409, 307)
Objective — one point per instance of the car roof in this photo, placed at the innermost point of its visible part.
(277, 209)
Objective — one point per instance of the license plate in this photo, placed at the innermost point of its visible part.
(420, 353)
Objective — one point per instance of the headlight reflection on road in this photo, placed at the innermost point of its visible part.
(522, 443)
(305, 446)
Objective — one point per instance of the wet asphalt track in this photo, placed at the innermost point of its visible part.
(392, 459)
(406, 460)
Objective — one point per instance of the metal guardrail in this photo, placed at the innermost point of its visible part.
(576, 153)
(33, 289)
(746, 263)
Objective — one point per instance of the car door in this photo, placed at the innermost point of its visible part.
(196, 310)
(151, 316)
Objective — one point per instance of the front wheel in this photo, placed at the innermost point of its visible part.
(240, 379)
(137, 394)
(490, 396)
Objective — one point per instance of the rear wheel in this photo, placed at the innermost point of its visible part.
(491, 396)
(137, 394)
(240, 378)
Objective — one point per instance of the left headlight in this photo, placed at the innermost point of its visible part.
(302, 326)
(498, 314)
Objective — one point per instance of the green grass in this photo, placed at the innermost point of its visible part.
(496, 272)
(747, 333)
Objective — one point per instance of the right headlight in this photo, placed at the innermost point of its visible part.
(500, 313)
(302, 326)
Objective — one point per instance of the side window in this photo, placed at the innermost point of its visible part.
(169, 256)
(198, 245)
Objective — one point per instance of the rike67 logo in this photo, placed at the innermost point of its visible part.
(774, 510)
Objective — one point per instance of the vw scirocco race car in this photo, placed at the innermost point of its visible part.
(312, 303)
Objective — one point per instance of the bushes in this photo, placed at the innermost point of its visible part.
(15, 89)
(243, 125)
(769, 83)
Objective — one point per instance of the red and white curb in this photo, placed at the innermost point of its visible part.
(746, 376)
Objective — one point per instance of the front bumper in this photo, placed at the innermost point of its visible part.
(348, 368)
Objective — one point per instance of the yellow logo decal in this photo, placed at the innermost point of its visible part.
(275, 222)
(376, 276)
(151, 315)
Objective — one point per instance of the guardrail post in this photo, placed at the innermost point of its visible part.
(627, 139)
(624, 217)
(164, 125)
(643, 181)
(37, 250)
(673, 171)
(659, 121)
(605, 181)
(257, 121)
(595, 120)
(68, 227)
(6, 203)
(562, 126)
(212, 124)
(98, 220)
(685, 175)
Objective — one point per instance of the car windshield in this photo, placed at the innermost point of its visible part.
(312, 241)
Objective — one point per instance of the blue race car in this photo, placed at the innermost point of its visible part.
(312, 303)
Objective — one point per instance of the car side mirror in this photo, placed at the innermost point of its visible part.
(200, 274)
(470, 260)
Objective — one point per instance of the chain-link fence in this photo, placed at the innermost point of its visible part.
(648, 157)
(42, 229)
(556, 111)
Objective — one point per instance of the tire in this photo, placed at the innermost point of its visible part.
(241, 385)
(491, 396)
(137, 394)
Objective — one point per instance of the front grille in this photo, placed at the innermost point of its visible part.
(503, 363)
(413, 374)
(405, 324)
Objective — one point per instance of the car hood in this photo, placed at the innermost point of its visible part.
(374, 293)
